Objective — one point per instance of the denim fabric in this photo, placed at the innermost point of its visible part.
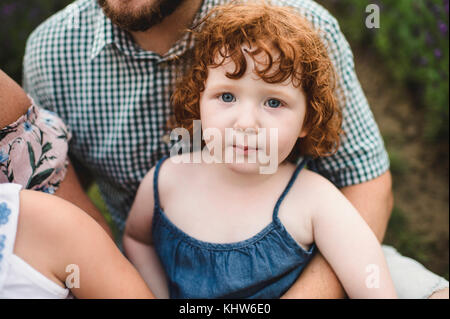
(263, 266)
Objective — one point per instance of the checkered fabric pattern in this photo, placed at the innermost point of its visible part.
(114, 97)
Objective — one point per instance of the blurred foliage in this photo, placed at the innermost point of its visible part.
(94, 194)
(19, 18)
(413, 42)
(398, 164)
(404, 240)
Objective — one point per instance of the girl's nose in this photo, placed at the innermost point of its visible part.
(246, 119)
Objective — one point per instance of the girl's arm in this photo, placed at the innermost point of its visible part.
(137, 240)
(349, 245)
(63, 243)
(13, 100)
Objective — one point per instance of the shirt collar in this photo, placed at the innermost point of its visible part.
(103, 34)
(106, 33)
(186, 42)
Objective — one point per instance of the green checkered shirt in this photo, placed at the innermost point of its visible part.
(114, 97)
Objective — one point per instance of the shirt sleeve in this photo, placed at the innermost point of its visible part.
(361, 155)
(37, 67)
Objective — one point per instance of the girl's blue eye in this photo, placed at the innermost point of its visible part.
(273, 103)
(227, 97)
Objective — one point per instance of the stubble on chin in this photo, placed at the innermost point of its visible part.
(142, 18)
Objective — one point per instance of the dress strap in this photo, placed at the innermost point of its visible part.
(289, 185)
(155, 180)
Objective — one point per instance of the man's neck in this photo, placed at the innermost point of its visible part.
(160, 38)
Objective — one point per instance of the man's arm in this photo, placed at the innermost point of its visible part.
(374, 201)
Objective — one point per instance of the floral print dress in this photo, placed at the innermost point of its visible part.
(33, 150)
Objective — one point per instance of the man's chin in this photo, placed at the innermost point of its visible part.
(141, 18)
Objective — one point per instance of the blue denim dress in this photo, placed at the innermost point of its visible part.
(263, 266)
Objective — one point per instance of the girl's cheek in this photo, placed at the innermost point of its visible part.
(286, 140)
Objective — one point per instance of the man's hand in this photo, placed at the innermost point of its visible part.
(374, 201)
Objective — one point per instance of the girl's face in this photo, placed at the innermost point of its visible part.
(246, 105)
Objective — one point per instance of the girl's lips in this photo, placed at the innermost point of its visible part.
(244, 149)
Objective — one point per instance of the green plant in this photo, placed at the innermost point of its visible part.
(19, 18)
(413, 43)
(403, 239)
(398, 165)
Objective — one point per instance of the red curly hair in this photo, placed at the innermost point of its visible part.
(293, 49)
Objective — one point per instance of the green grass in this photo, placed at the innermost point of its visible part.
(94, 194)
(408, 243)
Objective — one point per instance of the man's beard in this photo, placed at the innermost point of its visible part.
(140, 19)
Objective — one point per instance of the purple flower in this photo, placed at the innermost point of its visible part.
(8, 9)
(442, 27)
(437, 53)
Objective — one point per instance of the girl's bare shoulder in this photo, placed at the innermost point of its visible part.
(176, 172)
(315, 181)
(312, 187)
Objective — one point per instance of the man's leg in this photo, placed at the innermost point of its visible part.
(411, 279)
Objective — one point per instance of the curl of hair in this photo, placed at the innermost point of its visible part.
(293, 51)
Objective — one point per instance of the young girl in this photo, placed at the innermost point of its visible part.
(223, 230)
(49, 248)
